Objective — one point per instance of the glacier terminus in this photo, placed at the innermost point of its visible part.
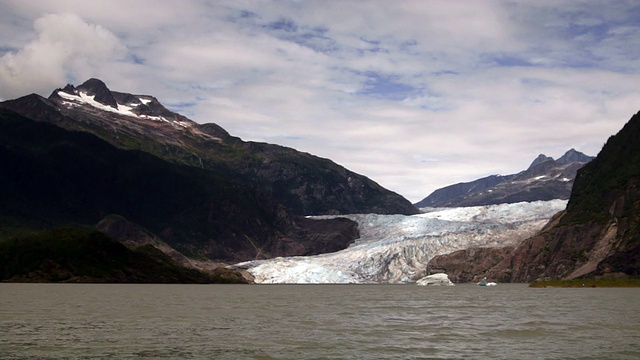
(395, 249)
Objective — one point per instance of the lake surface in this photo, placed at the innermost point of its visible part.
(510, 321)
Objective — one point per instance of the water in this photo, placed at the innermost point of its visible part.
(510, 321)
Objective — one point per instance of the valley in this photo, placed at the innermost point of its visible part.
(149, 178)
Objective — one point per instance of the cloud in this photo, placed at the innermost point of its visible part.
(416, 95)
(65, 48)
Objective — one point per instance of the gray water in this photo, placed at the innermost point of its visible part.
(510, 321)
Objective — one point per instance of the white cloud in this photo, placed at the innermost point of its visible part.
(416, 95)
(65, 46)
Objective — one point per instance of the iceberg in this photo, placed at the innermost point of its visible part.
(435, 280)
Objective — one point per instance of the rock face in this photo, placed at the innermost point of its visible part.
(545, 179)
(303, 183)
(469, 265)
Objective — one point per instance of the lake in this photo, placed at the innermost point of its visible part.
(509, 321)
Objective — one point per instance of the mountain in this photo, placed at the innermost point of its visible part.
(123, 164)
(54, 177)
(596, 236)
(303, 183)
(544, 179)
(574, 156)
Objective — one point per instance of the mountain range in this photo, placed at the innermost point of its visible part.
(544, 179)
(103, 186)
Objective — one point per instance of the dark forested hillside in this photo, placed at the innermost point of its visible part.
(83, 255)
(51, 176)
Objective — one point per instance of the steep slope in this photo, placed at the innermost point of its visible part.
(303, 183)
(51, 177)
(545, 179)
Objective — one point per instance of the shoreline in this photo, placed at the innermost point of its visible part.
(631, 282)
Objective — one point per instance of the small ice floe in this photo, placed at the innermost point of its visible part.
(435, 279)
(484, 282)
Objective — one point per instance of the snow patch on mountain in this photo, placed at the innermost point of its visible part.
(397, 248)
(144, 101)
(81, 97)
(121, 109)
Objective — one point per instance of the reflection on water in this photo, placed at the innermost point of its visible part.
(76, 321)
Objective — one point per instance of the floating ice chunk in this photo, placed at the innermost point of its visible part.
(435, 279)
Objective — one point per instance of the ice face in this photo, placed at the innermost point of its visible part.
(397, 248)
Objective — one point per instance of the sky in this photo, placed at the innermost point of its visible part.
(415, 95)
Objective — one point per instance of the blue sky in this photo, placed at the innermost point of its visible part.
(413, 94)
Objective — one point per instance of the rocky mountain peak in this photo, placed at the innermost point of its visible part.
(572, 156)
(540, 159)
(99, 90)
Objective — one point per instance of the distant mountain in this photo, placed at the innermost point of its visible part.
(303, 183)
(545, 179)
(572, 156)
(540, 159)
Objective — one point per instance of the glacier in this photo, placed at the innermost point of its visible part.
(395, 249)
